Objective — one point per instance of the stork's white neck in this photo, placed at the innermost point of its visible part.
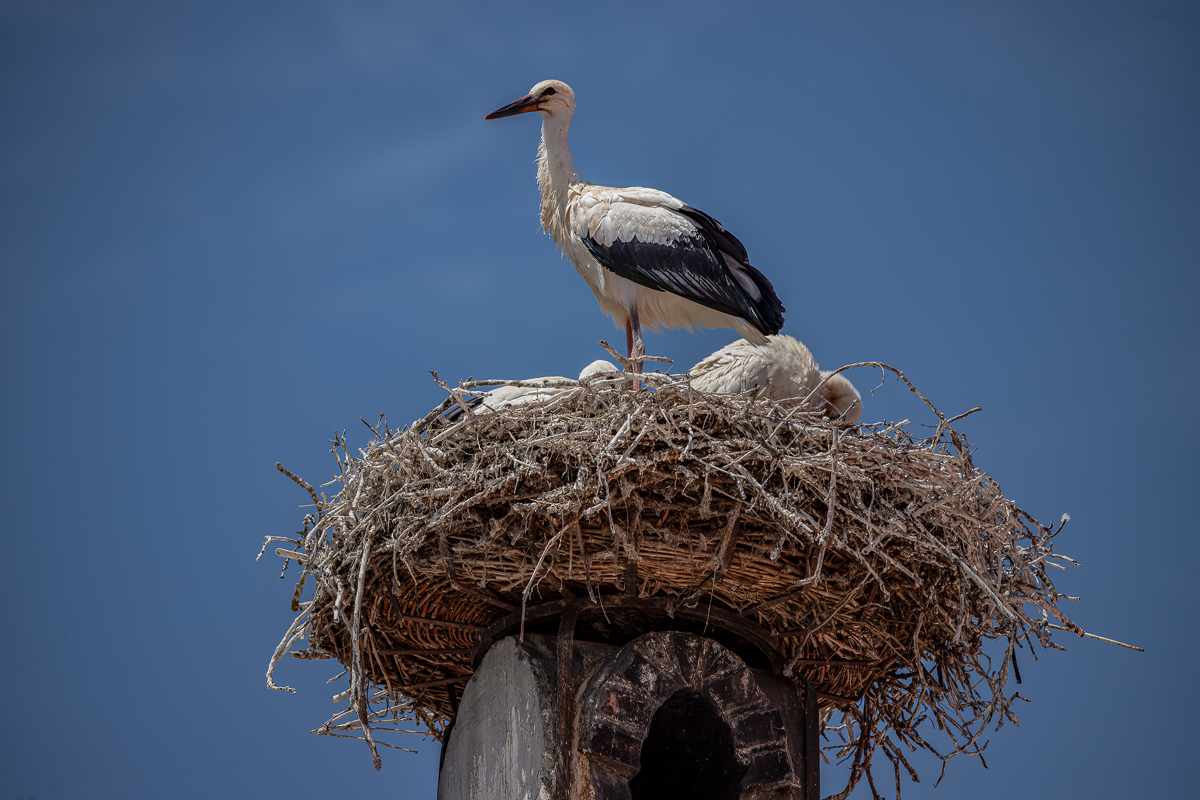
(555, 173)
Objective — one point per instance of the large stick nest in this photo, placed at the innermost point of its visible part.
(862, 545)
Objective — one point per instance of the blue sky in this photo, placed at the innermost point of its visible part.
(231, 229)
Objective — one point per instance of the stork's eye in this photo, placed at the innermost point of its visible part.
(549, 90)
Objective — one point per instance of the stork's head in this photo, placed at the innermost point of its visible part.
(598, 367)
(841, 398)
(549, 98)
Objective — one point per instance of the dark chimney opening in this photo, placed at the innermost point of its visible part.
(688, 754)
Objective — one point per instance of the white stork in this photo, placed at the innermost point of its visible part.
(649, 258)
(783, 370)
(505, 396)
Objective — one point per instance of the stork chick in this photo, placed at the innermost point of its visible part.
(506, 396)
(649, 258)
(783, 370)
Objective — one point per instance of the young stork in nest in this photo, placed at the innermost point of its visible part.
(782, 370)
(650, 258)
(507, 396)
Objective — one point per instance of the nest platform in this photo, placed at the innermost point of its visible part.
(874, 564)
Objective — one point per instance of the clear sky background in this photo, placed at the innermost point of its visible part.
(230, 229)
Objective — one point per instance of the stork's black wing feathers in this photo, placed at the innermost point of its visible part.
(455, 412)
(769, 307)
(726, 242)
(694, 267)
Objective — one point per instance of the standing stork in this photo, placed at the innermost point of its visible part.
(650, 258)
(783, 370)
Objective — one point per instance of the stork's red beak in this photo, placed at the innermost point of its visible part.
(526, 103)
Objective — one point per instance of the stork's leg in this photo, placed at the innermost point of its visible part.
(634, 347)
(629, 336)
(637, 348)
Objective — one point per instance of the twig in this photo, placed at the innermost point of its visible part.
(311, 492)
